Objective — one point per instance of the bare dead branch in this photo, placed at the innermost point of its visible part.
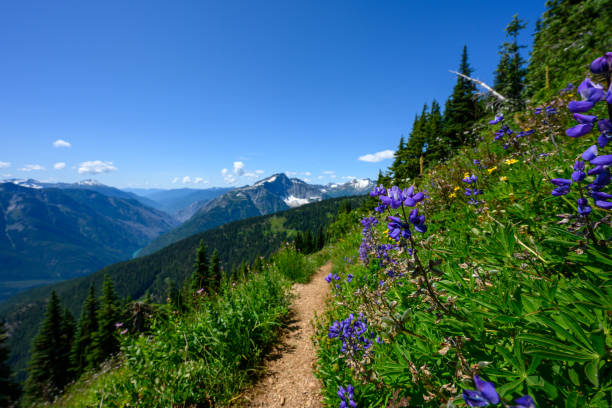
(485, 86)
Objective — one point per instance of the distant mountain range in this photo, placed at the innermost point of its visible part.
(181, 203)
(60, 231)
(266, 196)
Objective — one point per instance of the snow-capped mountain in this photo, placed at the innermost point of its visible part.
(267, 196)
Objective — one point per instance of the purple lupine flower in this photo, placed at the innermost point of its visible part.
(378, 191)
(496, 120)
(605, 127)
(349, 277)
(393, 198)
(590, 153)
(331, 277)
(418, 221)
(563, 188)
(583, 206)
(586, 123)
(567, 89)
(398, 229)
(601, 181)
(525, 133)
(524, 402)
(603, 160)
(602, 65)
(550, 110)
(347, 397)
(578, 174)
(368, 223)
(484, 395)
(470, 179)
(118, 325)
(601, 199)
(537, 111)
(411, 198)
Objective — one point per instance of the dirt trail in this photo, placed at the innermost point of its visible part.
(289, 381)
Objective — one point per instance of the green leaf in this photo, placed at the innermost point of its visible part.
(559, 355)
(572, 400)
(592, 372)
(573, 376)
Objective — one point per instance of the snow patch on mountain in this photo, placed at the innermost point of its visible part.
(293, 201)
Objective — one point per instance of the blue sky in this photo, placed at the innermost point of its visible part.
(168, 94)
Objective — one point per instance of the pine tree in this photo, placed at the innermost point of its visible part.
(88, 325)
(510, 73)
(105, 342)
(214, 274)
(9, 390)
(399, 162)
(47, 375)
(199, 278)
(461, 109)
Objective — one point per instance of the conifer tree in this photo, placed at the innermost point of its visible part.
(9, 390)
(510, 73)
(214, 274)
(438, 145)
(88, 325)
(415, 148)
(199, 278)
(105, 342)
(47, 375)
(399, 162)
(461, 108)
(68, 327)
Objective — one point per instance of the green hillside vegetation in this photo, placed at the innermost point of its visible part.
(492, 287)
(238, 243)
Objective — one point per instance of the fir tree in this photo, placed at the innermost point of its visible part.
(214, 274)
(399, 162)
(105, 342)
(199, 279)
(65, 347)
(88, 325)
(438, 146)
(47, 375)
(461, 109)
(510, 71)
(9, 390)
(415, 148)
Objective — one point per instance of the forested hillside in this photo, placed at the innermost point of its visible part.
(237, 243)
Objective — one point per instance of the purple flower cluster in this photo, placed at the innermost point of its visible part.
(332, 277)
(485, 394)
(591, 93)
(368, 223)
(347, 396)
(396, 197)
(353, 334)
(473, 191)
(549, 110)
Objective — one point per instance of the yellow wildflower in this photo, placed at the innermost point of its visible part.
(511, 161)
(503, 178)
(452, 195)
(492, 169)
(466, 175)
(457, 188)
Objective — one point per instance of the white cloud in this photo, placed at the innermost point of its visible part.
(199, 180)
(96, 167)
(250, 174)
(32, 167)
(259, 172)
(175, 180)
(329, 172)
(378, 156)
(229, 179)
(59, 166)
(321, 177)
(291, 173)
(238, 168)
(61, 143)
(307, 173)
(186, 179)
(4, 164)
(349, 177)
(224, 171)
